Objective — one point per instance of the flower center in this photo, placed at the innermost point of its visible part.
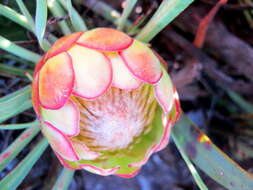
(112, 121)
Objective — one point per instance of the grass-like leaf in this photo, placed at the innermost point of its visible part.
(105, 11)
(15, 17)
(26, 13)
(15, 103)
(64, 179)
(240, 101)
(76, 20)
(17, 175)
(189, 164)
(127, 10)
(57, 11)
(18, 51)
(17, 146)
(210, 158)
(166, 12)
(41, 22)
(18, 126)
(12, 70)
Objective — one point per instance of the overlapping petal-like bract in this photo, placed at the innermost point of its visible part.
(104, 101)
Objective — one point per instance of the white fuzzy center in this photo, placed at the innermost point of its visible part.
(112, 121)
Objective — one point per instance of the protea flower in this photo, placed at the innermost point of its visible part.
(104, 101)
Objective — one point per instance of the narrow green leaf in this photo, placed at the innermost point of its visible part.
(240, 101)
(18, 126)
(105, 11)
(15, 71)
(26, 13)
(23, 91)
(17, 175)
(64, 179)
(209, 158)
(15, 17)
(191, 167)
(18, 51)
(127, 10)
(15, 103)
(21, 20)
(57, 11)
(17, 146)
(166, 12)
(76, 20)
(41, 23)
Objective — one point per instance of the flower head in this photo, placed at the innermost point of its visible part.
(105, 102)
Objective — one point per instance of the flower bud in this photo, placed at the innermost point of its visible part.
(104, 101)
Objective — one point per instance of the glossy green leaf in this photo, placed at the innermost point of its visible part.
(64, 179)
(41, 22)
(18, 126)
(15, 71)
(127, 10)
(209, 158)
(15, 103)
(17, 175)
(57, 11)
(17, 146)
(15, 17)
(76, 20)
(18, 51)
(167, 11)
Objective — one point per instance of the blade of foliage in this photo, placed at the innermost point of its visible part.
(135, 27)
(21, 20)
(210, 158)
(76, 20)
(23, 91)
(26, 13)
(58, 12)
(41, 22)
(240, 101)
(64, 179)
(15, 103)
(17, 50)
(15, 71)
(105, 11)
(17, 175)
(127, 10)
(18, 126)
(17, 146)
(15, 17)
(191, 167)
(166, 12)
